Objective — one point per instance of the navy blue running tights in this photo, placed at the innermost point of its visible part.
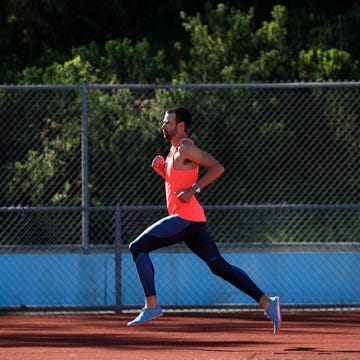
(173, 229)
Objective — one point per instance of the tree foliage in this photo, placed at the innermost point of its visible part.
(173, 41)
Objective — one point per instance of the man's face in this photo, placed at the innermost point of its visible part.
(169, 126)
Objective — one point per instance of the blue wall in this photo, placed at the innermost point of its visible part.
(182, 279)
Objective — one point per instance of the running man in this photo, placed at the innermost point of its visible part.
(186, 221)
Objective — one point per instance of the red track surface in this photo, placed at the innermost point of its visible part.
(185, 336)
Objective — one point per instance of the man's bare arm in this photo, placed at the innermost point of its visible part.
(202, 158)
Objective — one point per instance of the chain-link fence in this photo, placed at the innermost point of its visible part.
(77, 187)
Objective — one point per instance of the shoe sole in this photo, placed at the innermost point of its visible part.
(146, 321)
(280, 319)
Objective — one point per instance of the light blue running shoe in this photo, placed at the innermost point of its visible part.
(274, 314)
(146, 315)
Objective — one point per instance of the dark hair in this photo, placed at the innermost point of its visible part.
(181, 114)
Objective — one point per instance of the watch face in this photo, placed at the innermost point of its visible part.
(196, 187)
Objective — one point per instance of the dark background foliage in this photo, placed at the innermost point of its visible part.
(38, 33)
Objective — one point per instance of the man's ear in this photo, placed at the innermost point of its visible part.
(181, 124)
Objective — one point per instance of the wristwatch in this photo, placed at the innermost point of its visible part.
(196, 187)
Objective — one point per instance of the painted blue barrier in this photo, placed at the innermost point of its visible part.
(182, 279)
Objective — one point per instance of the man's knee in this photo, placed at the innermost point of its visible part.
(132, 248)
(135, 249)
(138, 246)
(219, 266)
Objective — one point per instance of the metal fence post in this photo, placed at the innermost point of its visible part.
(85, 168)
(118, 242)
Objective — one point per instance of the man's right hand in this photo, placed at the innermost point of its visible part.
(158, 165)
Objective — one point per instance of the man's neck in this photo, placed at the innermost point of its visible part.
(175, 141)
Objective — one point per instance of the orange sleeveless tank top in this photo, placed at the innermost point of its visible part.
(181, 179)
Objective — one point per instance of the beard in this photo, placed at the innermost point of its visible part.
(166, 135)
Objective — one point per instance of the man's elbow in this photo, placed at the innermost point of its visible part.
(221, 169)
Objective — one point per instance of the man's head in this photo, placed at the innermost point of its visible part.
(176, 122)
(181, 115)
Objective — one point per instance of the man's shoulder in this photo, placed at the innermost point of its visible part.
(185, 141)
(186, 145)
